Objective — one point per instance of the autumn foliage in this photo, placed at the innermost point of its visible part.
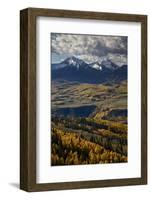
(70, 148)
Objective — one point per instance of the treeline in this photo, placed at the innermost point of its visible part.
(86, 123)
(68, 148)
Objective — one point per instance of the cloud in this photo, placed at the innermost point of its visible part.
(90, 48)
(119, 59)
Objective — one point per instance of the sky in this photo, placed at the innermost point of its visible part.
(90, 48)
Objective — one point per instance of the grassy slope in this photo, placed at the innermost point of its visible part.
(67, 94)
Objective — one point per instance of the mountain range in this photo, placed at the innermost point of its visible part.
(75, 69)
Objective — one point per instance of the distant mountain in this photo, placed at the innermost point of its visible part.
(72, 62)
(74, 69)
(120, 74)
(96, 65)
(108, 64)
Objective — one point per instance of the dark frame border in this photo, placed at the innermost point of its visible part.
(28, 99)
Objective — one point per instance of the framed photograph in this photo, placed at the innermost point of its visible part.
(83, 99)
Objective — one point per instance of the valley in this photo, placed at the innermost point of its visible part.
(96, 98)
(88, 117)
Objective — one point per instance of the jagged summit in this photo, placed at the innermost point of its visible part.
(74, 61)
(75, 69)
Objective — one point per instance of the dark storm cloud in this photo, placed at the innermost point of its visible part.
(90, 47)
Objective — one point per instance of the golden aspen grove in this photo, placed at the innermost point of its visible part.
(94, 145)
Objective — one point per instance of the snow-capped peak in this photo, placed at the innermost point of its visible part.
(96, 65)
(73, 61)
(108, 64)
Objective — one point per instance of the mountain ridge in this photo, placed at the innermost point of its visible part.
(75, 69)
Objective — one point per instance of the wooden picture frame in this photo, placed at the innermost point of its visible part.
(28, 99)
